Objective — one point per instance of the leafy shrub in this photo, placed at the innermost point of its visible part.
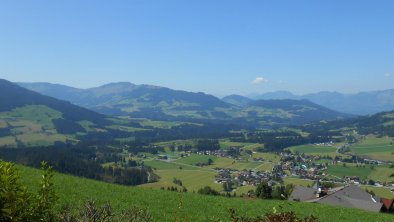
(91, 212)
(207, 190)
(18, 204)
(272, 217)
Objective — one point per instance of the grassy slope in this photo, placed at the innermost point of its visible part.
(32, 125)
(316, 150)
(375, 148)
(169, 206)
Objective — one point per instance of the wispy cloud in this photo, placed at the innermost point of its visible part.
(387, 75)
(259, 80)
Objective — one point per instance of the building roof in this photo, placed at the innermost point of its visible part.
(354, 197)
(302, 194)
(387, 203)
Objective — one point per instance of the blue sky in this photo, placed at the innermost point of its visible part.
(215, 46)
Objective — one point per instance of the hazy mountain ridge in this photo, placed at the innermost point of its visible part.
(237, 100)
(363, 103)
(160, 103)
(381, 124)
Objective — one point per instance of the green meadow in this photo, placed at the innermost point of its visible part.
(315, 150)
(172, 206)
(375, 148)
(349, 170)
(377, 173)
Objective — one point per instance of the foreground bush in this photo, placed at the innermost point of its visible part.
(272, 217)
(93, 213)
(18, 204)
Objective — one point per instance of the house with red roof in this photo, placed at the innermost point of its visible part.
(388, 205)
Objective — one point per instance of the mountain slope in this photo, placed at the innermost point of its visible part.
(138, 100)
(237, 100)
(27, 116)
(363, 103)
(159, 103)
(287, 112)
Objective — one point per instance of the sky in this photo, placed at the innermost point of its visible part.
(219, 47)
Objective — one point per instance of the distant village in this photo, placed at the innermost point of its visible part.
(296, 165)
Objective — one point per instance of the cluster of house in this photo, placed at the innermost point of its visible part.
(243, 177)
(331, 143)
(302, 166)
(349, 196)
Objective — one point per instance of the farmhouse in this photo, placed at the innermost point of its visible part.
(349, 196)
(354, 197)
(388, 205)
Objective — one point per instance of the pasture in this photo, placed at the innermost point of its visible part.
(375, 148)
(194, 159)
(315, 150)
(172, 206)
(298, 182)
(191, 179)
(350, 171)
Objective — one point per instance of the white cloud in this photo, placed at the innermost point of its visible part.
(387, 75)
(259, 80)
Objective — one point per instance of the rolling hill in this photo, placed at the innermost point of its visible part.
(294, 112)
(381, 124)
(237, 100)
(138, 100)
(363, 103)
(164, 104)
(29, 118)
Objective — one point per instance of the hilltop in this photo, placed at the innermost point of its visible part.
(362, 103)
(164, 104)
(29, 118)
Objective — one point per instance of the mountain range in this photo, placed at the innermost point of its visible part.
(363, 103)
(65, 113)
(160, 103)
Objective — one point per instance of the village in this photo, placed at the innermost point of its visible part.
(241, 171)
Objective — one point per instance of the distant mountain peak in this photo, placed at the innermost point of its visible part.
(120, 84)
(237, 100)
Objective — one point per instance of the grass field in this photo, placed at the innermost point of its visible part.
(375, 148)
(315, 150)
(244, 190)
(194, 159)
(3, 124)
(7, 141)
(39, 114)
(298, 182)
(165, 165)
(380, 191)
(191, 179)
(267, 156)
(382, 174)
(171, 206)
(40, 139)
(194, 177)
(340, 171)
(162, 124)
(265, 167)
(224, 162)
(225, 144)
(176, 143)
